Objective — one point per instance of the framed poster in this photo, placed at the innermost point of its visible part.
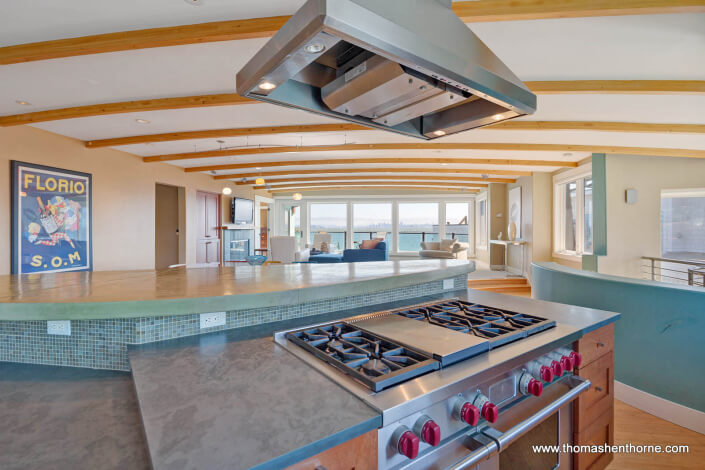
(51, 219)
(515, 208)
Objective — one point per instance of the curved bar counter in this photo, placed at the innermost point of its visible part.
(179, 291)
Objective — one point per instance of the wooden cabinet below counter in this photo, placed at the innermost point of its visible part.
(356, 454)
(593, 422)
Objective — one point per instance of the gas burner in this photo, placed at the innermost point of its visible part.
(497, 325)
(372, 360)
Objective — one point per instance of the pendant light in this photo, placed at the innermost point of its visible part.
(298, 196)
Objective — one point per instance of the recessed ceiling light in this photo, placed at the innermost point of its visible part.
(444, 164)
(195, 3)
(23, 103)
(439, 133)
(497, 117)
(315, 48)
(227, 191)
(567, 155)
(258, 168)
(141, 121)
(266, 86)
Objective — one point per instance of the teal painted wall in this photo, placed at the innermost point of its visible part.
(660, 339)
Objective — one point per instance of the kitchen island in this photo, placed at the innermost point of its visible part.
(227, 399)
(264, 412)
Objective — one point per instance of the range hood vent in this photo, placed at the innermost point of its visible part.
(406, 66)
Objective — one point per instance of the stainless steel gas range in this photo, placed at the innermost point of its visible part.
(446, 403)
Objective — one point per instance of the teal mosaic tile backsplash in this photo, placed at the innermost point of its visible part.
(102, 344)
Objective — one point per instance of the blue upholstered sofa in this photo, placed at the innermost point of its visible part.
(379, 253)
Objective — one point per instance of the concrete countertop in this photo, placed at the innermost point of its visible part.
(69, 418)
(236, 396)
(130, 294)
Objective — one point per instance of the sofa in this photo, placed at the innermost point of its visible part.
(358, 255)
(378, 253)
(444, 249)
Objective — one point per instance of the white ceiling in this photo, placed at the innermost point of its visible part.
(624, 47)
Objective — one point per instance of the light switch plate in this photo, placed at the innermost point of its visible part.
(448, 284)
(210, 320)
(61, 327)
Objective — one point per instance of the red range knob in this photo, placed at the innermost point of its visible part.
(546, 374)
(577, 358)
(470, 414)
(431, 433)
(408, 445)
(535, 387)
(557, 368)
(566, 363)
(490, 412)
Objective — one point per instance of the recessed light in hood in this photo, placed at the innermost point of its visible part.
(406, 66)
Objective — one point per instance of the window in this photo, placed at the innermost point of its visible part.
(418, 222)
(457, 221)
(292, 222)
(370, 220)
(683, 224)
(572, 212)
(330, 218)
(481, 215)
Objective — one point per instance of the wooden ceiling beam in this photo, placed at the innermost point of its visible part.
(479, 182)
(514, 147)
(601, 126)
(143, 39)
(253, 151)
(347, 188)
(629, 87)
(372, 161)
(468, 11)
(514, 10)
(230, 99)
(607, 126)
(160, 104)
(320, 171)
(372, 183)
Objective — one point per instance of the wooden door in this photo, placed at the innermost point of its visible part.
(207, 227)
(166, 226)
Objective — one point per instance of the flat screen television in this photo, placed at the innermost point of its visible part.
(242, 211)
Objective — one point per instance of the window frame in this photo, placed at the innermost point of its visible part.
(560, 182)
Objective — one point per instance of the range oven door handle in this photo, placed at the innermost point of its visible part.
(494, 442)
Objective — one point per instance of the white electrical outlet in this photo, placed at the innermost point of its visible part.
(448, 284)
(209, 320)
(62, 327)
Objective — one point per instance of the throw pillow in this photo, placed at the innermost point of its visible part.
(446, 245)
(370, 244)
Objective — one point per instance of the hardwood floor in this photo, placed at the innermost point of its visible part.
(639, 428)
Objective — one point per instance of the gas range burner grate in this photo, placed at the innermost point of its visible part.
(494, 324)
(372, 360)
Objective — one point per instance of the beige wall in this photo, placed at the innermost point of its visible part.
(634, 230)
(526, 230)
(542, 214)
(123, 195)
(498, 220)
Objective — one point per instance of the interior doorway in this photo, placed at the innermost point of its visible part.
(167, 226)
(207, 228)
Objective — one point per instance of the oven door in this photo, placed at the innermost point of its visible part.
(508, 443)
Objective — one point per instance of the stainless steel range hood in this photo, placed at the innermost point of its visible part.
(406, 66)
